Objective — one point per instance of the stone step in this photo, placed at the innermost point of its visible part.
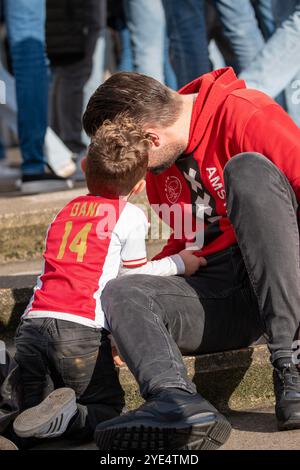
(231, 380)
(15, 293)
(21, 268)
(24, 221)
(237, 379)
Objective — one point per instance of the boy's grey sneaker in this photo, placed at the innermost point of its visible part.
(50, 418)
(171, 420)
(286, 378)
(5, 444)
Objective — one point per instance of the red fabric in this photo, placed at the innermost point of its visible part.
(227, 119)
(132, 266)
(70, 282)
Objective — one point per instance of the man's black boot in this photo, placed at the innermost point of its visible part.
(286, 378)
(171, 419)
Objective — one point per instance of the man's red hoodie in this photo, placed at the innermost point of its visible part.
(227, 119)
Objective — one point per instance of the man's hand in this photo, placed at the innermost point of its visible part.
(117, 359)
(192, 262)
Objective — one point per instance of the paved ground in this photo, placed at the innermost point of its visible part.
(257, 430)
(252, 430)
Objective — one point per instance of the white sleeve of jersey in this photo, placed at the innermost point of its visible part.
(132, 230)
(169, 266)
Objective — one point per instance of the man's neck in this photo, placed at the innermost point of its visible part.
(182, 126)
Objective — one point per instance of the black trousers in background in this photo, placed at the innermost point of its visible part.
(245, 291)
(74, 356)
(67, 90)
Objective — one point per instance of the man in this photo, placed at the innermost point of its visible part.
(73, 29)
(234, 155)
(25, 24)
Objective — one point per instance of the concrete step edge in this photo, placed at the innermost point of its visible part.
(234, 379)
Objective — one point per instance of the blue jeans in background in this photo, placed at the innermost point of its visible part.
(146, 22)
(25, 22)
(170, 76)
(96, 76)
(186, 24)
(126, 60)
(186, 29)
(128, 53)
(2, 151)
(266, 16)
(277, 65)
(246, 27)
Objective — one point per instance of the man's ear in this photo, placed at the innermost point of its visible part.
(83, 164)
(139, 187)
(155, 139)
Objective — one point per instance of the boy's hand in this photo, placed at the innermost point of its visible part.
(192, 262)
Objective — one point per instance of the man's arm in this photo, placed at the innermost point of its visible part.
(271, 132)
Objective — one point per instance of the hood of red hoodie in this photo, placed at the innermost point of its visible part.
(213, 88)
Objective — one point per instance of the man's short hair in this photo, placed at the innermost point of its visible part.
(142, 98)
(117, 158)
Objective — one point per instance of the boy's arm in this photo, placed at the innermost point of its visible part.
(134, 255)
(169, 266)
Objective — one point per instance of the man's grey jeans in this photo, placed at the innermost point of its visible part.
(247, 290)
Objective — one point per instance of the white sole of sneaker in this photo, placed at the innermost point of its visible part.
(35, 187)
(66, 171)
(50, 418)
(5, 444)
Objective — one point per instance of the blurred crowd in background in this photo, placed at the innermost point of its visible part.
(55, 53)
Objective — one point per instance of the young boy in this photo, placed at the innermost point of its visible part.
(63, 331)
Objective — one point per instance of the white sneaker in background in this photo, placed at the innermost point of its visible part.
(8, 173)
(78, 176)
(46, 182)
(57, 154)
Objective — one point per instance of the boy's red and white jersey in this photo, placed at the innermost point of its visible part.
(86, 244)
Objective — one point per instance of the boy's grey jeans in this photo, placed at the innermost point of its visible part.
(74, 356)
(244, 291)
